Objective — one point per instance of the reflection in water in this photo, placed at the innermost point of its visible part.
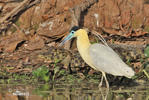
(72, 92)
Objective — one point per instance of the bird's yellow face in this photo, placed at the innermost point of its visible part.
(74, 33)
(80, 32)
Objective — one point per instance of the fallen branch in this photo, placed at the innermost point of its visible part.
(8, 1)
(7, 20)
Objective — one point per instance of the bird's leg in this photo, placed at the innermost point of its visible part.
(100, 84)
(107, 83)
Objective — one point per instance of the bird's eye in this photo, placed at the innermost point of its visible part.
(72, 32)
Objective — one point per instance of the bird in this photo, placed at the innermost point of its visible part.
(100, 57)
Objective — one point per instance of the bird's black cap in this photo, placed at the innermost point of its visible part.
(74, 28)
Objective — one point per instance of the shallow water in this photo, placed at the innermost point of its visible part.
(59, 91)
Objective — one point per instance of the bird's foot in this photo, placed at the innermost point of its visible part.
(100, 84)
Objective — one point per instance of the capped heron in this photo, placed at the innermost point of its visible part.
(99, 56)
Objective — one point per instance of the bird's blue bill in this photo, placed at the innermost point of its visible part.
(67, 38)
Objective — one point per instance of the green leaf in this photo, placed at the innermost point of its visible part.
(42, 73)
(46, 78)
(146, 51)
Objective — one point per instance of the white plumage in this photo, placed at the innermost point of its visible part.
(106, 60)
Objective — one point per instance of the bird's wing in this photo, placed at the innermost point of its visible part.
(105, 59)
